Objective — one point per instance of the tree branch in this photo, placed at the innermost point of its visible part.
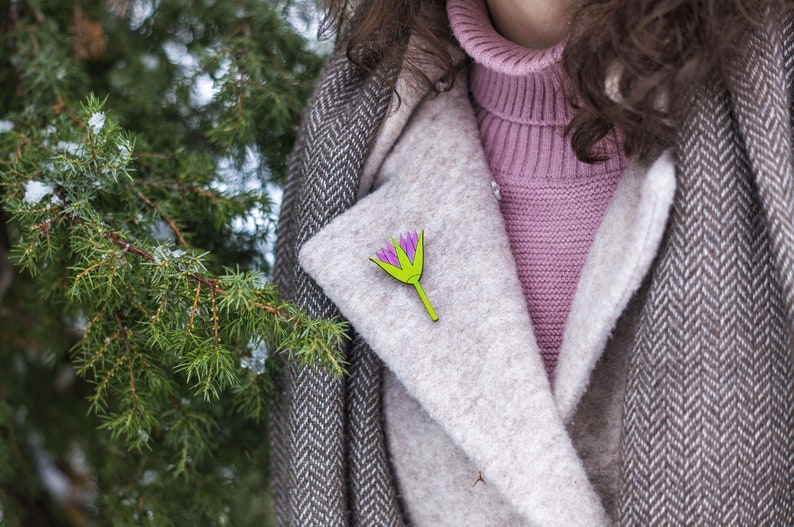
(211, 282)
(164, 216)
(128, 355)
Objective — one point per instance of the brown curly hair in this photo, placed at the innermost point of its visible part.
(633, 61)
(630, 62)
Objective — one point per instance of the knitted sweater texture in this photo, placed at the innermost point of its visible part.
(551, 202)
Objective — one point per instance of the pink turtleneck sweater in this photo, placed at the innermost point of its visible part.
(552, 203)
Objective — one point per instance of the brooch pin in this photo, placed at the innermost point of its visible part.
(403, 260)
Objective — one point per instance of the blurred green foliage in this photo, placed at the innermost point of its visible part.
(142, 143)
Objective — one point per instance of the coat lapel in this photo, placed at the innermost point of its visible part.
(622, 252)
(477, 371)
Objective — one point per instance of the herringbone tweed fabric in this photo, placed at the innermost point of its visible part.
(329, 457)
(709, 411)
(708, 433)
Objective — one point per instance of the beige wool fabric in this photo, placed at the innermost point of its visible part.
(703, 434)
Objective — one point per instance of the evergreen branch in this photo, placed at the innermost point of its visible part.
(98, 355)
(175, 186)
(99, 393)
(88, 270)
(159, 311)
(128, 247)
(194, 308)
(336, 365)
(123, 332)
(140, 308)
(214, 311)
(90, 325)
(211, 282)
(164, 216)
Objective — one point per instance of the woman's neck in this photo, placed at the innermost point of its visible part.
(536, 24)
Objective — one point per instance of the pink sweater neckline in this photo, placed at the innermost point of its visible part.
(552, 203)
(472, 26)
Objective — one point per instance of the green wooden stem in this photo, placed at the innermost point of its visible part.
(426, 302)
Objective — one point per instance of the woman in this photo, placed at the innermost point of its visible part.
(607, 210)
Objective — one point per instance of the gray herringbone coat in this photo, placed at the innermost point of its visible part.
(673, 401)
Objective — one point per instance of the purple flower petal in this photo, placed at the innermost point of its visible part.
(405, 243)
(389, 255)
(414, 242)
(408, 245)
(393, 256)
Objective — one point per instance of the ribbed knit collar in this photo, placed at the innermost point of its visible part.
(516, 83)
